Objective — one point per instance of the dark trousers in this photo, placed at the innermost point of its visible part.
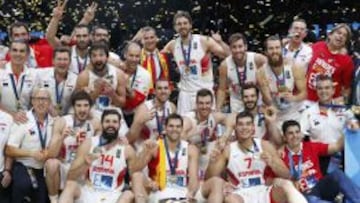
(129, 118)
(4, 192)
(22, 187)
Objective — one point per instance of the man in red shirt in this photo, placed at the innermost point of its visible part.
(302, 158)
(329, 58)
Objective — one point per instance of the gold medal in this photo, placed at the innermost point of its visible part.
(187, 69)
(172, 179)
(203, 149)
(58, 108)
(282, 88)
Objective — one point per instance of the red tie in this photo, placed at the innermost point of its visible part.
(153, 68)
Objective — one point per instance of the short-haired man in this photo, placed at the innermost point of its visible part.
(302, 158)
(245, 161)
(28, 146)
(192, 55)
(68, 133)
(59, 81)
(237, 70)
(16, 82)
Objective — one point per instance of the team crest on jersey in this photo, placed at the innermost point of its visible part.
(251, 66)
(183, 152)
(32, 132)
(287, 74)
(195, 45)
(5, 84)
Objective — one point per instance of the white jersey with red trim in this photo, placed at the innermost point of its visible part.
(24, 85)
(72, 142)
(246, 169)
(142, 80)
(152, 125)
(181, 171)
(111, 78)
(288, 110)
(6, 122)
(236, 103)
(46, 79)
(193, 78)
(108, 171)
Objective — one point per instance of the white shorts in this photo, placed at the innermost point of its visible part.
(185, 102)
(89, 194)
(256, 194)
(177, 193)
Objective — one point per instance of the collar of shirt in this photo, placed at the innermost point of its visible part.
(297, 153)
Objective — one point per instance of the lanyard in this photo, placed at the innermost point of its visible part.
(171, 165)
(13, 84)
(187, 54)
(59, 94)
(42, 132)
(133, 79)
(205, 133)
(336, 106)
(280, 82)
(160, 122)
(285, 50)
(296, 174)
(241, 76)
(81, 67)
(256, 148)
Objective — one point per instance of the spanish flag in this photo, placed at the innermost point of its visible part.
(157, 166)
(149, 64)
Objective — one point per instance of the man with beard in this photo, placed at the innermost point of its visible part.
(104, 82)
(138, 83)
(237, 70)
(250, 95)
(329, 59)
(192, 56)
(296, 49)
(155, 62)
(284, 82)
(144, 128)
(16, 82)
(173, 165)
(28, 147)
(245, 162)
(68, 133)
(59, 81)
(106, 159)
(200, 125)
(101, 33)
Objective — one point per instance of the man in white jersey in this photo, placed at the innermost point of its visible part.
(138, 83)
(16, 82)
(245, 161)
(250, 96)
(6, 122)
(296, 50)
(285, 82)
(68, 133)
(59, 81)
(28, 146)
(200, 125)
(105, 160)
(105, 83)
(237, 70)
(159, 108)
(192, 55)
(173, 167)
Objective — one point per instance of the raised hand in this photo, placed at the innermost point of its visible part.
(58, 11)
(89, 14)
(270, 114)
(216, 36)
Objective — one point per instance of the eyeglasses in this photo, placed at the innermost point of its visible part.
(44, 99)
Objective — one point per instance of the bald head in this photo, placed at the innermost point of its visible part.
(132, 55)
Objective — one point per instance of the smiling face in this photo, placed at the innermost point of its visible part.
(110, 126)
(238, 49)
(244, 128)
(325, 90)
(41, 101)
(173, 129)
(98, 59)
(82, 109)
(61, 62)
(132, 56)
(162, 91)
(20, 33)
(183, 26)
(293, 136)
(203, 105)
(273, 52)
(250, 98)
(149, 40)
(338, 37)
(18, 53)
(82, 37)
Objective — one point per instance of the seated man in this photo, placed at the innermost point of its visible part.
(173, 167)
(245, 161)
(106, 160)
(303, 160)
